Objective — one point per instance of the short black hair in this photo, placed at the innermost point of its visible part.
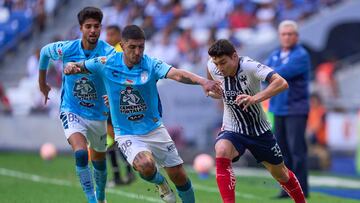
(114, 27)
(133, 32)
(221, 47)
(90, 12)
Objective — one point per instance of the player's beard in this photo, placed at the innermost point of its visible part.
(93, 42)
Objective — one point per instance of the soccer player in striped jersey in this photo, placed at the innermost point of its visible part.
(82, 109)
(244, 122)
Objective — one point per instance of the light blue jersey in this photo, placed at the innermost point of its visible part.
(135, 105)
(81, 94)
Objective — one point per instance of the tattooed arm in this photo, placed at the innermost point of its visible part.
(187, 77)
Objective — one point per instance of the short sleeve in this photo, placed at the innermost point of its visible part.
(260, 71)
(53, 51)
(160, 68)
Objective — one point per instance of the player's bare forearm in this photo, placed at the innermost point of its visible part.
(277, 85)
(75, 68)
(44, 87)
(42, 77)
(185, 77)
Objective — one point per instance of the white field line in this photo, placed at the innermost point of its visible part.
(53, 181)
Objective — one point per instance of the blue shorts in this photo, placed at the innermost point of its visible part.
(263, 147)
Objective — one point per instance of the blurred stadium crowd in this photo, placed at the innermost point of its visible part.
(178, 31)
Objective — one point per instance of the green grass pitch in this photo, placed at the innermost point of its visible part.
(25, 178)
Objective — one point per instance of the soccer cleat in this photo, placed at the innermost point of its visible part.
(166, 193)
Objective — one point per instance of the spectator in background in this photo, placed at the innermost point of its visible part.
(316, 125)
(5, 101)
(291, 107)
(316, 133)
(33, 65)
(118, 14)
(239, 18)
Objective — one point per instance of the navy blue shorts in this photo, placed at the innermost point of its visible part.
(263, 147)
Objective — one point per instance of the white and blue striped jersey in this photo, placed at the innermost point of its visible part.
(247, 80)
(135, 105)
(80, 94)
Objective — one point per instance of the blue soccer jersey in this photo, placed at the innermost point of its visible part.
(135, 105)
(81, 94)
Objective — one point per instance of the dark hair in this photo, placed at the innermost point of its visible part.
(114, 27)
(132, 32)
(221, 47)
(90, 12)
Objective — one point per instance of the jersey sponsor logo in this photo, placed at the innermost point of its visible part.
(136, 117)
(103, 60)
(131, 101)
(115, 73)
(59, 51)
(86, 104)
(277, 151)
(158, 63)
(84, 89)
(129, 82)
(171, 148)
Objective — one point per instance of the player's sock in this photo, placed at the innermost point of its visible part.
(100, 176)
(84, 174)
(186, 192)
(156, 178)
(225, 179)
(293, 188)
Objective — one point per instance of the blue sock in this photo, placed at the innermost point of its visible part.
(84, 174)
(100, 176)
(157, 178)
(186, 192)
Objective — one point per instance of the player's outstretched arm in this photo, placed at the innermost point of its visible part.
(187, 77)
(75, 68)
(277, 85)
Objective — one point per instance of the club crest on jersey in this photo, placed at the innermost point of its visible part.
(84, 89)
(243, 79)
(59, 51)
(144, 76)
(131, 102)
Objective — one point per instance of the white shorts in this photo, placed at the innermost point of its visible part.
(94, 131)
(158, 142)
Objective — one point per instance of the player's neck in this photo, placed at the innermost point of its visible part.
(86, 45)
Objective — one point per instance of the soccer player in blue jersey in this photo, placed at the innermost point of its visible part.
(82, 110)
(130, 79)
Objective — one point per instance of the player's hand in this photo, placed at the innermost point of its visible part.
(245, 100)
(212, 86)
(72, 68)
(106, 100)
(213, 95)
(45, 89)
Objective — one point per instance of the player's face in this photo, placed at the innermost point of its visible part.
(133, 50)
(227, 65)
(288, 37)
(112, 37)
(91, 30)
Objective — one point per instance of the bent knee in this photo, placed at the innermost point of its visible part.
(224, 149)
(144, 164)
